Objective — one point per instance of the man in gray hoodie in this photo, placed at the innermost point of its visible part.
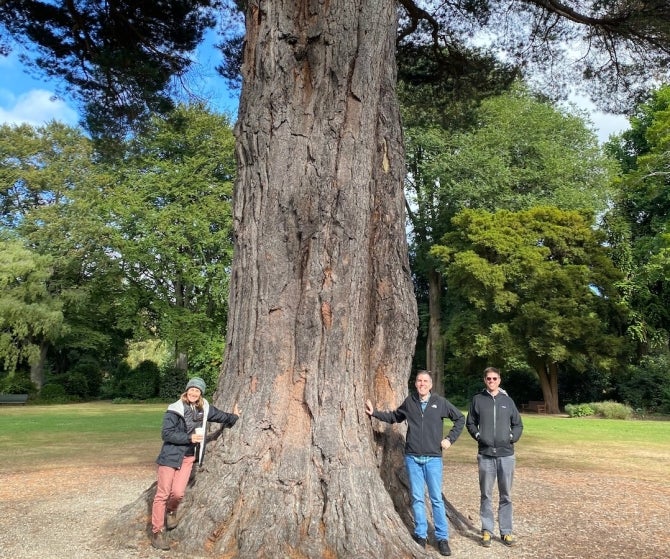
(495, 423)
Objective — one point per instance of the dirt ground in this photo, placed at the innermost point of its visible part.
(59, 513)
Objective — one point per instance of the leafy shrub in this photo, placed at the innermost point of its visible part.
(579, 410)
(612, 410)
(142, 382)
(114, 381)
(17, 384)
(52, 392)
(77, 383)
(55, 393)
(173, 381)
(606, 410)
(84, 378)
(647, 386)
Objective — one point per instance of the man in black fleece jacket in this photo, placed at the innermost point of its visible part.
(424, 413)
(495, 423)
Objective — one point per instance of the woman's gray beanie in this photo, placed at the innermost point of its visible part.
(196, 382)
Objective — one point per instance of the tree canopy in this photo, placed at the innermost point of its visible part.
(29, 314)
(121, 57)
(137, 246)
(519, 151)
(169, 213)
(534, 286)
(639, 221)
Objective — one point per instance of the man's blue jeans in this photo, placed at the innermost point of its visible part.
(490, 469)
(422, 475)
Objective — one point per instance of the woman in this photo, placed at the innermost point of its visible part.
(182, 446)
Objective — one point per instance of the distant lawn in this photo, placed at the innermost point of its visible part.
(34, 437)
(37, 437)
(633, 448)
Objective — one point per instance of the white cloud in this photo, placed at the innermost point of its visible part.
(604, 124)
(608, 124)
(35, 107)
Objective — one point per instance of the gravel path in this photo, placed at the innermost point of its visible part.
(59, 514)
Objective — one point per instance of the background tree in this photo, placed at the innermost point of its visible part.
(30, 316)
(49, 189)
(639, 221)
(518, 152)
(170, 210)
(139, 248)
(438, 95)
(535, 286)
(119, 57)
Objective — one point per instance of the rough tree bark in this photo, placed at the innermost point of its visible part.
(37, 368)
(548, 376)
(322, 311)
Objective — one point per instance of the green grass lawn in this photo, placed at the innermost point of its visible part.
(36, 437)
(635, 448)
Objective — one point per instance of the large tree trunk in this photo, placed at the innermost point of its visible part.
(548, 375)
(37, 368)
(322, 312)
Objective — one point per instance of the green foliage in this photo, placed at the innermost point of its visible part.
(646, 387)
(520, 152)
(639, 221)
(521, 383)
(612, 410)
(445, 86)
(605, 410)
(143, 382)
(206, 364)
(53, 392)
(171, 211)
(29, 313)
(76, 383)
(84, 379)
(152, 350)
(535, 286)
(18, 383)
(141, 246)
(579, 410)
(173, 381)
(51, 188)
(588, 385)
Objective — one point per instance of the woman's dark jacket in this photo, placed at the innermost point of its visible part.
(425, 428)
(495, 423)
(176, 439)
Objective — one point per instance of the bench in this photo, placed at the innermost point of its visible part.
(13, 399)
(535, 405)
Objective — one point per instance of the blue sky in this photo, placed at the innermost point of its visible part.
(26, 99)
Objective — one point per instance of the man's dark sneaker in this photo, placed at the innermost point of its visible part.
(486, 538)
(172, 518)
(508, 539)
(421, 541)
(443, 547)
(159, 541)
